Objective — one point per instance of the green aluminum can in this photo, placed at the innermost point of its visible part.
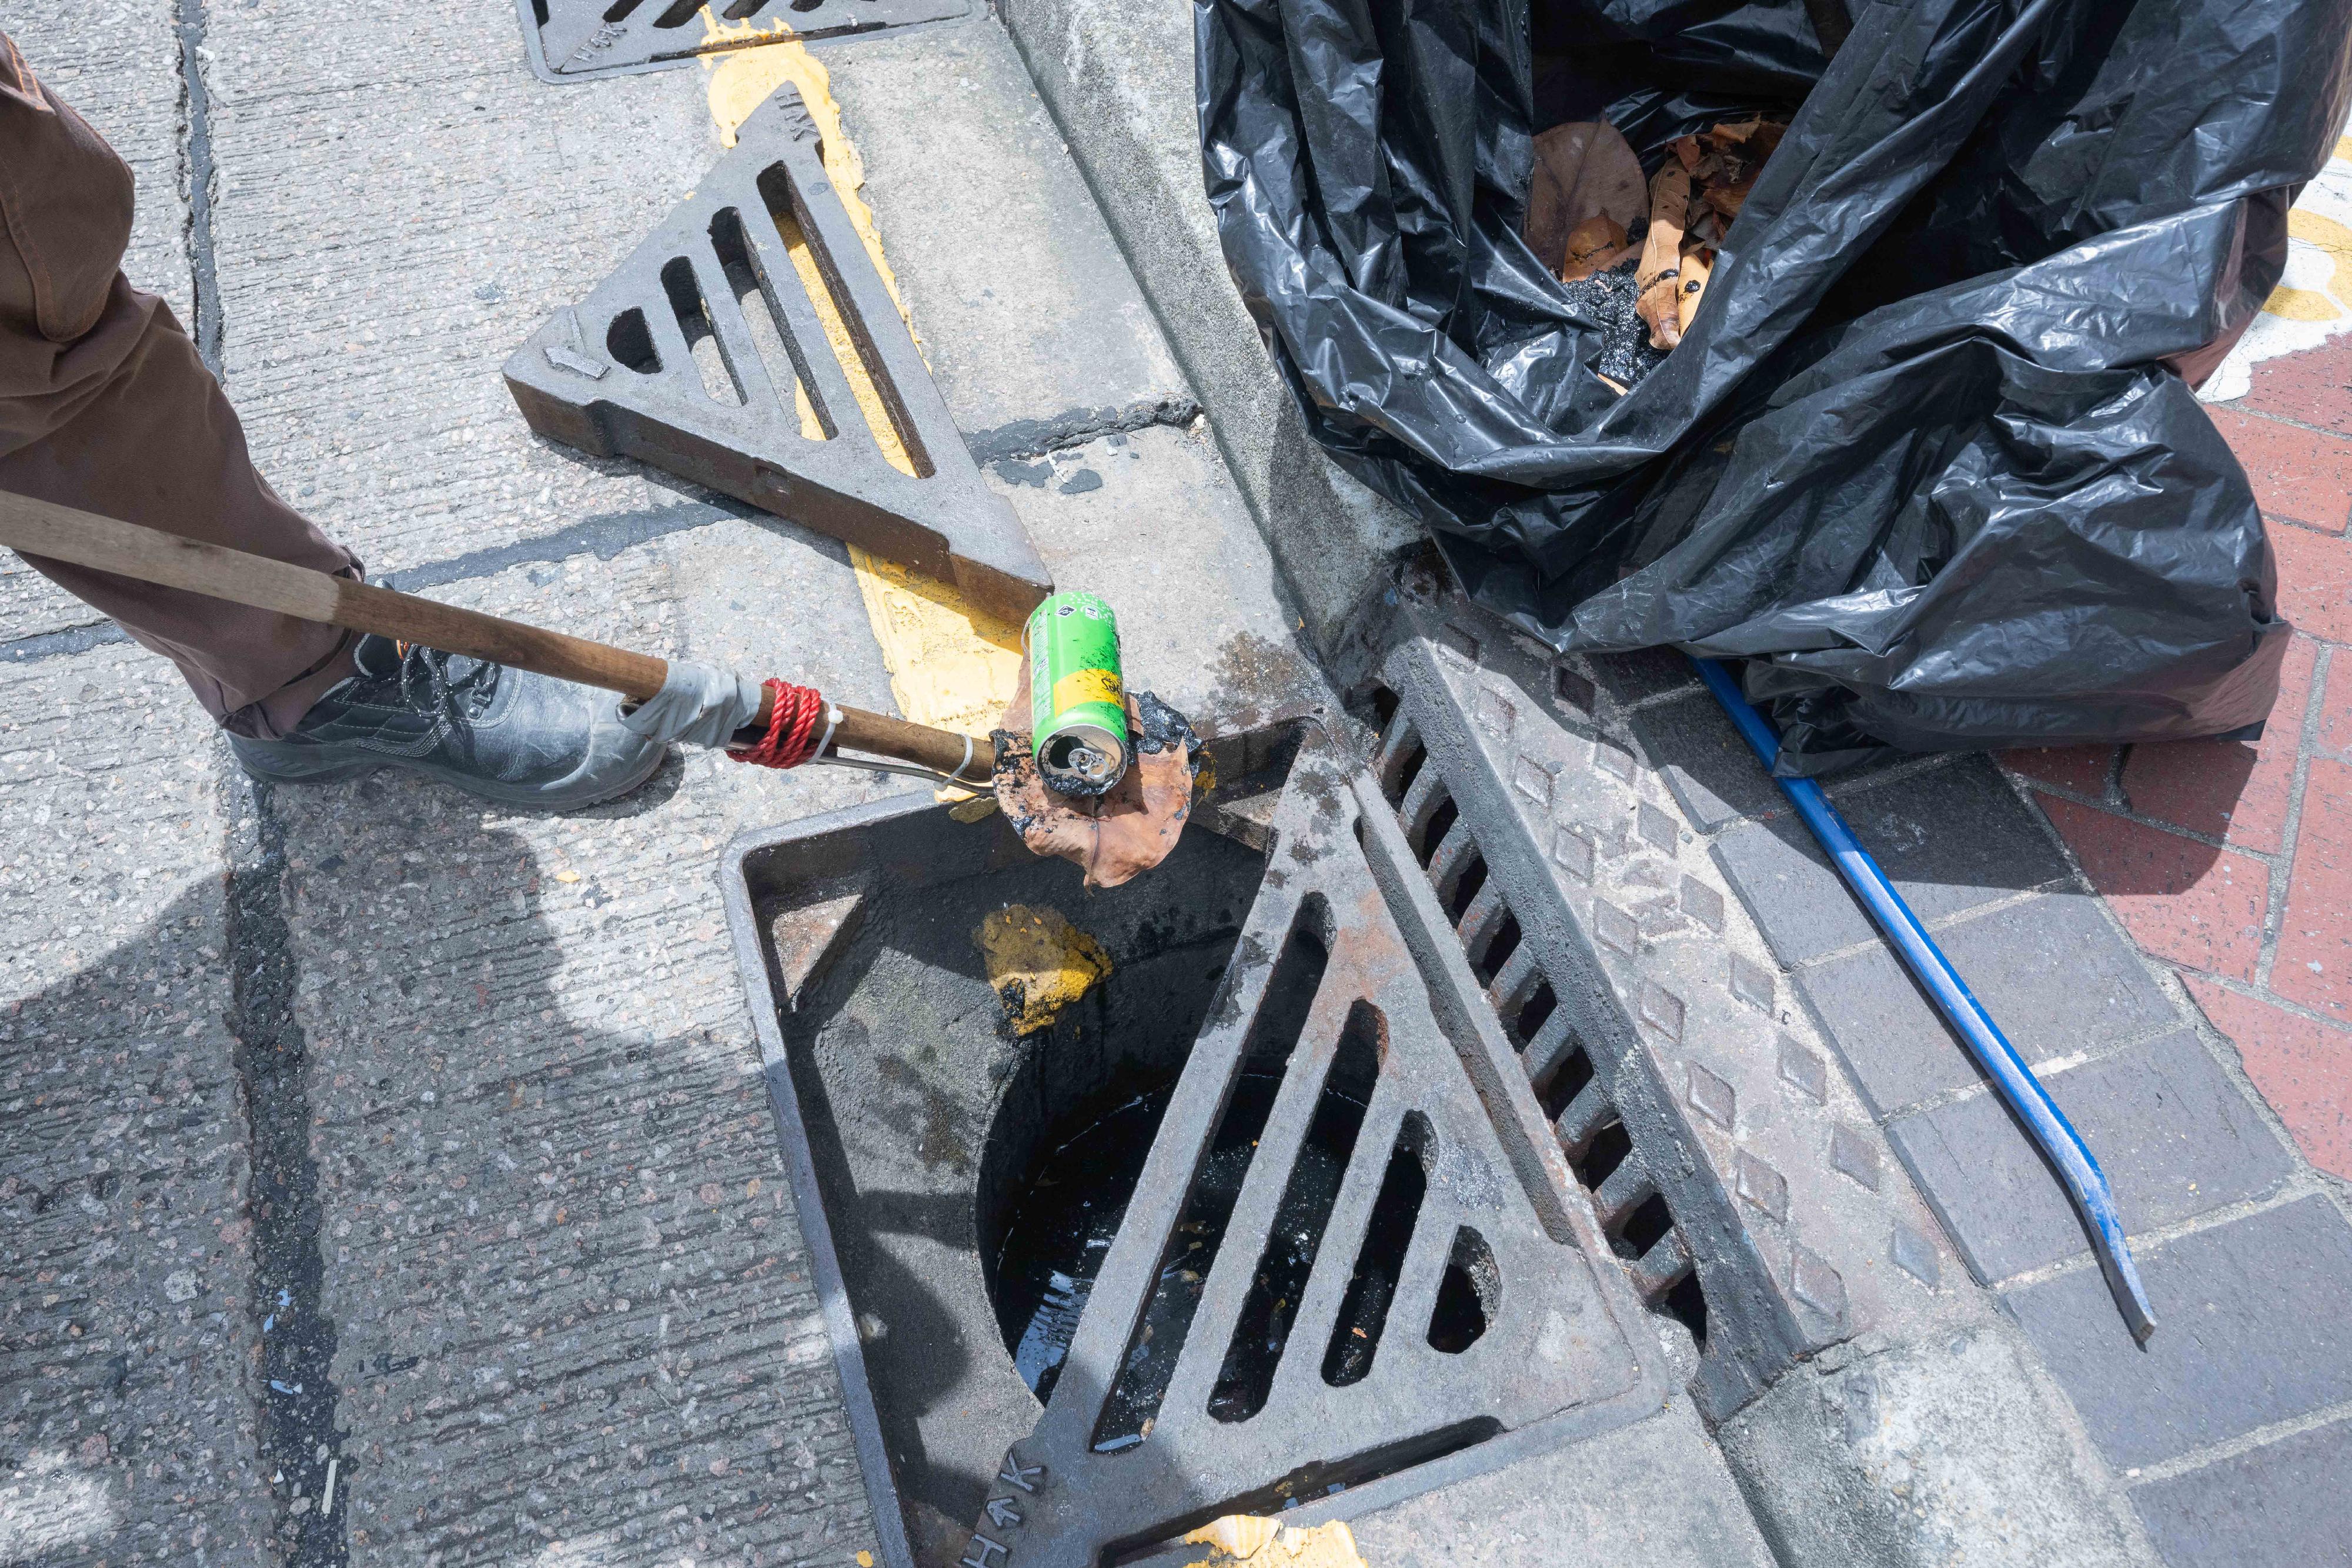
(1078, 701)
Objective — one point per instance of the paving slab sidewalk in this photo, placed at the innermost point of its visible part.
(391, 1178)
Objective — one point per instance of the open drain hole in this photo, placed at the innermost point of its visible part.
(1279, 1285)
(1364, 1310)
(1159, 1338)
(1468, 1295)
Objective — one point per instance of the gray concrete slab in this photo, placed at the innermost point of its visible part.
(2289, 1502)
(2174, 1136)
(33, 606)
(571, 1299)
(1118, 81)
(1034, 329)
(1654, 1492)
(400, 205)
(1949, 1448)
(2251, 1332)
(1951, 838)
(1151, 520)
(127, 1336)
(2051, 970)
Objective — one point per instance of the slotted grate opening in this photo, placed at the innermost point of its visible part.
(1278, 1285)
(1373, 1283)
(1635, 1217)
(1159, 1338)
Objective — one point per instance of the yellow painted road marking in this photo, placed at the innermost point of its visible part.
(951, 664)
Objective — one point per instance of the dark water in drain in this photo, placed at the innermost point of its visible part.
(1071, 1206)
(1060, 1230)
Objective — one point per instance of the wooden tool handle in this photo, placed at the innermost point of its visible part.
(128, 550)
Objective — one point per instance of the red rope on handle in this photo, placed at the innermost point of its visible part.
(794, 724)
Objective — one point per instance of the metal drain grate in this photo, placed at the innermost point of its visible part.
(1440, 1300)
(1632, 1212)
(1345, 1286)
(579, 40)
(723, 351)
(1625, 1010)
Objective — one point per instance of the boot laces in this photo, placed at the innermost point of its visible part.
(452, 700)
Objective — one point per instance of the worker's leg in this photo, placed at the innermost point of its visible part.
(159, 445)
(104, 405)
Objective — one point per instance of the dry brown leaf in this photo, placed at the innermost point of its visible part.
(1593, 246)
(1699, 262)
(1583, 170)
(1661, 253)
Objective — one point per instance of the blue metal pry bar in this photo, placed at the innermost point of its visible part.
(2019, 1088)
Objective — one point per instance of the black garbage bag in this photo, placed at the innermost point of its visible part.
(1928, 459)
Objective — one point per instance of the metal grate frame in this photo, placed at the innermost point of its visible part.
(581, 40)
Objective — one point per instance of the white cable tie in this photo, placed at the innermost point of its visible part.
(832, 718)
(967, 760)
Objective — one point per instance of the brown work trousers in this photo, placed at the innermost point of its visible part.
(104, 405)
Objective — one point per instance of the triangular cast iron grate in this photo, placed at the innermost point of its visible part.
(707, 354)
(1414, 1319)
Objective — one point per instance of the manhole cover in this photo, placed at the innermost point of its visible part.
(1264, 1216)
(579, 40)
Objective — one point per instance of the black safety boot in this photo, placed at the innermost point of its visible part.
(505, 735)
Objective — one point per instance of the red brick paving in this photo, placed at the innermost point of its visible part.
(2182, 899)
(2081, 768)
(2228, 788)
(2314, 941)
(2314, 575)
(2314, 388)
(2189, 850)
(2297, 473)
(2336, 711)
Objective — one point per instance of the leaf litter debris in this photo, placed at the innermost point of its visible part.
(1635, 254)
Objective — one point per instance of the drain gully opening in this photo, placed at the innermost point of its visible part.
(1469, 1294)
(1379, 1263)
(1279, 1284)
(1065, 1193)
(1158, 1340)
(846, 331)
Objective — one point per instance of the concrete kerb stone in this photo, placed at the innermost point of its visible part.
(1731, 1067)
(1118, 82)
